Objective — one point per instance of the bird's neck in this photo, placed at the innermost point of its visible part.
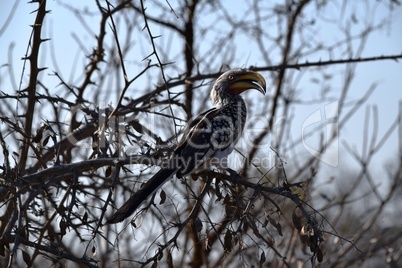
(228, 101)
(236, 109)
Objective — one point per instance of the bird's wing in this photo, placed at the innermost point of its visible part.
(190, 128)
(203, 140)
(168, 169)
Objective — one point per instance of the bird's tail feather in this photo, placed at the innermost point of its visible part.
(141, 195)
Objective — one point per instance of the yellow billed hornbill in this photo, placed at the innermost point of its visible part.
(212, 134)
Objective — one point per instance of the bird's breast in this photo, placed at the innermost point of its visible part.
(227, 127)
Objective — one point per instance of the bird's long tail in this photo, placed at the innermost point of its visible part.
(141, 195)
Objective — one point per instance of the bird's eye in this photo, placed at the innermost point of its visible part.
(230, 76)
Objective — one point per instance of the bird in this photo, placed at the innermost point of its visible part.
(209, 137)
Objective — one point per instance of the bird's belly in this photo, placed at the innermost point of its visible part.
(221, 155)
(220, 158)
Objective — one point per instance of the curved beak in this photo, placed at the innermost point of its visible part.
(248, 80)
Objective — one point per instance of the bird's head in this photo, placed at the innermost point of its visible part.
(233, 82)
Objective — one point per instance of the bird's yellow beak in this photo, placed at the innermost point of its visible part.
(248, 80)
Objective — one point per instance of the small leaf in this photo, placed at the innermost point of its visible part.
(262, 258)
(286, 186)
(197, 225)
(26, 258)
(255, 229)
(304, 231)
(218, 191)
(163, 197)
(61, 209)
(38, 136)
(319, 255)
(46, 140)
(279, 229)
(303, 239)
(160, 254)
(277, 225)
(137, 126)
(85, 218)
(297, 218)
(207, 245)
(227, 244)
(108, 171)
(63, 227)
(245, 226)
(169, 259)
(2, 249)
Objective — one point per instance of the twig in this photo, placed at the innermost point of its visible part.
(161, 65)
(33, 78)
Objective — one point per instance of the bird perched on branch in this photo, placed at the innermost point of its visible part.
(211, 135)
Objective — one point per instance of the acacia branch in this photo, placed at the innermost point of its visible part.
(33, 78)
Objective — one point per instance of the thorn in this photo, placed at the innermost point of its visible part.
(168, 63)
(35, 25)
(149, 56)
